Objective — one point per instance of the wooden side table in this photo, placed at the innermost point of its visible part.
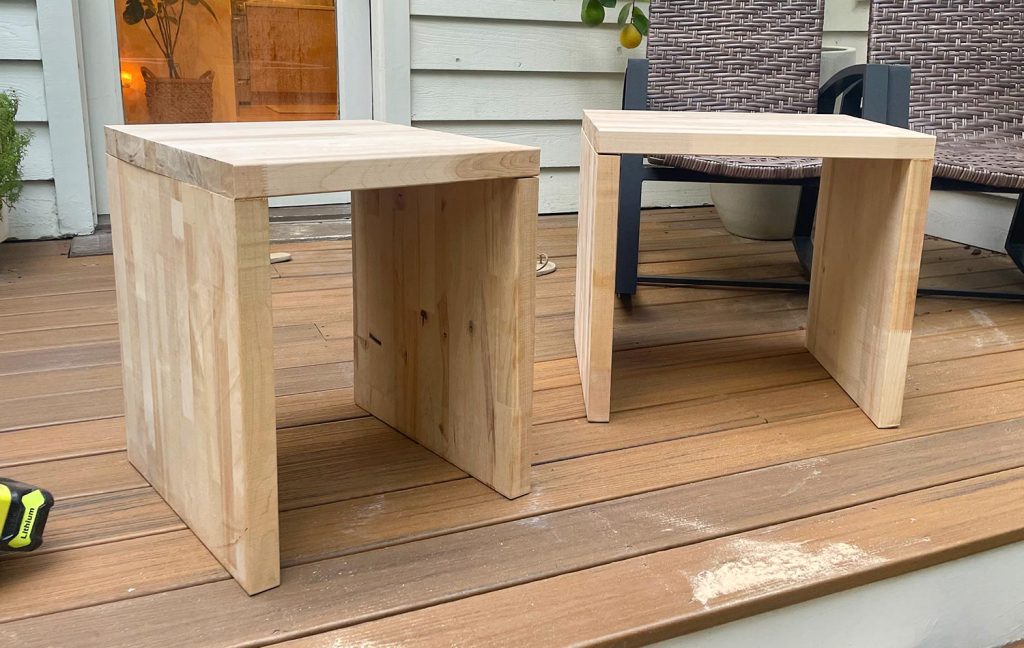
(867, 243)
(443, 271)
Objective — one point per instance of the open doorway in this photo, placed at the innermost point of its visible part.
(227, 60)
(233, 60)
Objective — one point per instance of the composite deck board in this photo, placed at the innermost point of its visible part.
(329, 462)
(363, 524)
(63, 442)
(659, 596)
(348, 590)
(721, 401)
(943, 372)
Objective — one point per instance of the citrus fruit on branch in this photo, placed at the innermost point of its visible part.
(632, 21)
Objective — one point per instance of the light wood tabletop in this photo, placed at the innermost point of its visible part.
(260, 159)
(756, 134)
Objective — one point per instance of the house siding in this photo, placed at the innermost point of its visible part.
(523, 71)
(56, 199)
(515, 70)
(21, 70)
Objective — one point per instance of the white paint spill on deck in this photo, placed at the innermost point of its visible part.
(981, 317)
(766, 566)
(674, 522)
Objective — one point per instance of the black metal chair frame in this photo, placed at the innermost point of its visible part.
(879, 93)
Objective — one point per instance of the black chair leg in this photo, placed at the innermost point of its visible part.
(627, 256)
(803, 241)
(1015, 237)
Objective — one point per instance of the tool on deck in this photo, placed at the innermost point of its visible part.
(23, 513)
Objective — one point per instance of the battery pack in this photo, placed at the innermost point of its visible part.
(23, 513)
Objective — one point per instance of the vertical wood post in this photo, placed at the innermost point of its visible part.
(194, 311)
(867, 258)
(595, 277)
(443, 281)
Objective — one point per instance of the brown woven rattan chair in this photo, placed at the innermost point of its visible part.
(733, 56)
(967, 89)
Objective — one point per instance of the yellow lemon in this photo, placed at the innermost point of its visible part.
(630, 37)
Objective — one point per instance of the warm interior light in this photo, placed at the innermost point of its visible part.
(126, 79)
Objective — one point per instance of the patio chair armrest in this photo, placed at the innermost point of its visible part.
(634, 87)
(871, 91)
(846, 81)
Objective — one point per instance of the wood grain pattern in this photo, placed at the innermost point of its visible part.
(660, 132)
(869, 238)
(867, 242)
(444, 320)
(371, 523)
(199, 390)
(63, 441)
(293, 50)
(349, 590)
(595, 277)
(257, 160)
(843, 549)
(191, 237)
(678, 466)
(166, 557)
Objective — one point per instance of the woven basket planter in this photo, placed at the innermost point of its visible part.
(179, 101)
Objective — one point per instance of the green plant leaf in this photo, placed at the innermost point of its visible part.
(12, 150)
(623, 15)
(133, 12)
(641, 21)
(610, 4)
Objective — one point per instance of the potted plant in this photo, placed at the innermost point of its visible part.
(174, 98)
(12, 151)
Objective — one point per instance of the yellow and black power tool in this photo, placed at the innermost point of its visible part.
(23, 513)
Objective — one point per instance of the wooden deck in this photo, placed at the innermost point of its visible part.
(735, 476)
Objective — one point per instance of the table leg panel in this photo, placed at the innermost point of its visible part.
(194, 311)
(443, 281)
(867, 258)
(595, 277)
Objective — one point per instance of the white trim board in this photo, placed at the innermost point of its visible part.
(973, 602)
(65, 107)
(103, 87)
(389, 43)
(552, 47)
(533, 10)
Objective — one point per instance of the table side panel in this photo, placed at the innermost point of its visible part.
(595, 277)
(444, 304)
(194, 310)
(867, 258)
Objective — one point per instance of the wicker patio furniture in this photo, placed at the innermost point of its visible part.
(967, 89)
(758, 56)
(719, 55)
